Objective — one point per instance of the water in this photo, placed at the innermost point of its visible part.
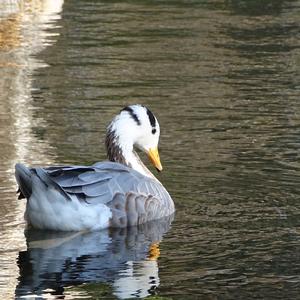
(223, 79)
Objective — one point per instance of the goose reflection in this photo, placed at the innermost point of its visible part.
(125, 258)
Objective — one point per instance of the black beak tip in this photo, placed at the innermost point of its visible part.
(158, 170)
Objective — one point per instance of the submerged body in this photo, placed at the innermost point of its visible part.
(119, 193)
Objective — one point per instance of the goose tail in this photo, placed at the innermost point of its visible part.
(24, 180)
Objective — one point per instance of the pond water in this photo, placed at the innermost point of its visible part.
(223, 78)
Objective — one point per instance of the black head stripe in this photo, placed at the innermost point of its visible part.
(151, 118)
(132, 114)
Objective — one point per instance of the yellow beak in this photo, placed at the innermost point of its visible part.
(154, 158)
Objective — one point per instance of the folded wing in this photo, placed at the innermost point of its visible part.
(132, 197)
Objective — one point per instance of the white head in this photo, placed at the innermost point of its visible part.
(134, 126)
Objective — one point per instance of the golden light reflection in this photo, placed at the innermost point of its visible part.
(154, 251)
(10, 32)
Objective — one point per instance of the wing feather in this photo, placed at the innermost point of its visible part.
(93, 176)
(96, 189)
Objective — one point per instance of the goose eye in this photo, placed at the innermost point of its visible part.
(153, 131)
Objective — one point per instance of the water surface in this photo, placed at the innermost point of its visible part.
(223, 79)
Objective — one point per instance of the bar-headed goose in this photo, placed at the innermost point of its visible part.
(118, 193)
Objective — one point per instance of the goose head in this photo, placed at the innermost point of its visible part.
(135, 127)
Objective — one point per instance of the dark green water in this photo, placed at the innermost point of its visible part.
(223, 78)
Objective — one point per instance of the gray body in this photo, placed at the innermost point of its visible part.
(131, 197)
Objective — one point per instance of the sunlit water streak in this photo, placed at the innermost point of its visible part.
(21, 36)
(223, 79)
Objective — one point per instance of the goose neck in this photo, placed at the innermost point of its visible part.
(121, 151)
